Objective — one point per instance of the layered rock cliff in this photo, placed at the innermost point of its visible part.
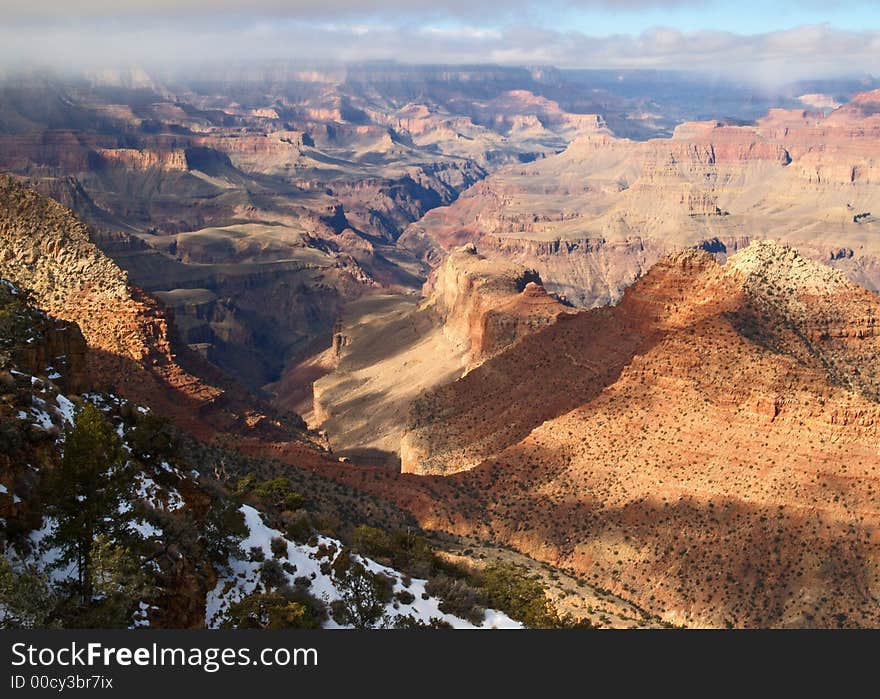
(387, 350)
(132, 349)
(805, 178)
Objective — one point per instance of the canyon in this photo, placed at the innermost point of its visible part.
(593, 218)
(520, 311)
(706, 448)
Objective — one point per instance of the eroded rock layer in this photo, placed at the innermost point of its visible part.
(593, 218)
(131, 347)
(707, 447)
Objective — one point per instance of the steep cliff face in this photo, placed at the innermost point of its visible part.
(132, 350)
(42, 369)
(593, 218)
(387, 349)
(139, 159)
(791, 306)
(484, 306)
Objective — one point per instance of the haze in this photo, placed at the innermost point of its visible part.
(798, 39)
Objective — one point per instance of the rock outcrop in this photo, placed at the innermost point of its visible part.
(132, 349)
(484, 305)
(593, 218)
(388, 350)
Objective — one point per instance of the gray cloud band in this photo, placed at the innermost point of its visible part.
(814, 50)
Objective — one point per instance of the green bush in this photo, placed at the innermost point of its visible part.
(408, 621)
(400, 549)
(278, 547)
(152, 439)
(363, 594)
(26, 600)
(405, 597)
(223, 530)
(507, 588)
(457, 597)
(277, 492)
(272, 575)
(299, 528)
(282, 609)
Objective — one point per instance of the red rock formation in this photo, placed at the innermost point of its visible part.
(485, 305)
(707, 448)
(138, 160)
(47, 250)
(805, 178)
(690, 422)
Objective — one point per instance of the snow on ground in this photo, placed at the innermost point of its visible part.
(145, 529)
(41, 414)
(159, 498)
(66, 408)
(244, 578)
(46, 556)
(141, 616)
(44, 412)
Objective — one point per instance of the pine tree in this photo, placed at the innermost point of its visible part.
(26, 600)
(88, 491)
(119, 581)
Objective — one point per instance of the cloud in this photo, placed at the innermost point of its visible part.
(167, 36)
(314, 9)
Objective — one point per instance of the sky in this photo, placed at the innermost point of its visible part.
(761, 40)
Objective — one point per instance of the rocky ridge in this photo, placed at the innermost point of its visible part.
(593, 218)
(132, 351)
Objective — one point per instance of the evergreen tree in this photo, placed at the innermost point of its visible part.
(88, 493)
(119, 583)
(363, 594)
(26, 600)
(274, 610)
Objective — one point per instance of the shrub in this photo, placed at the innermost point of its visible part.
(152, 439)
(223, 530)
(26, 600)
(276, 610)
(278, 547)
(401, 549)
(363, 594)
(277, 492)
(405, 597)
(457, 597)
(507, 588)
(272, 575)
(299, 528)
(408, 621)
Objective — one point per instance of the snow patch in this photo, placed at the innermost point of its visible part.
(145, 529)
(159, 498)
(243, 579)
(46, 557)
(66, 408)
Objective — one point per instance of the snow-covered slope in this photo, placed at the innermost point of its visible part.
(244, 576)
